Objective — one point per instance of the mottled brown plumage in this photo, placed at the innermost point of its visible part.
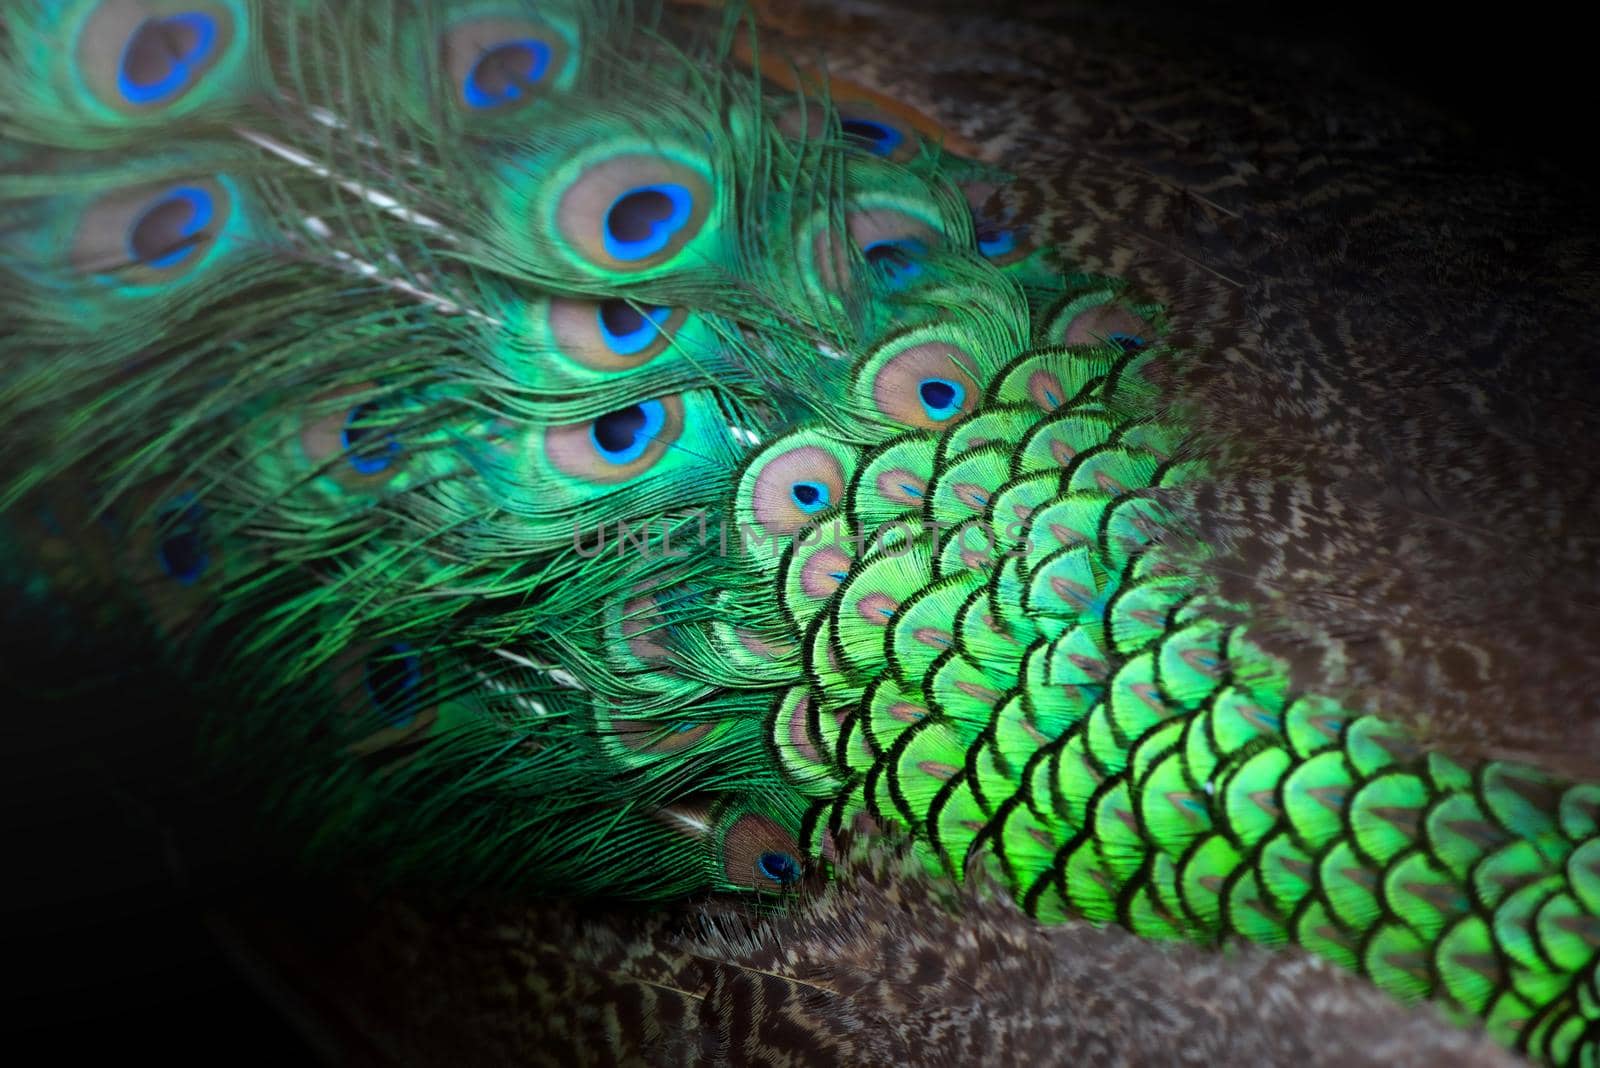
(879, 966)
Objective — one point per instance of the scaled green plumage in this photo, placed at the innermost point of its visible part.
(570, 471)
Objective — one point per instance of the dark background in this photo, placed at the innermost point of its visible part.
(106, 947)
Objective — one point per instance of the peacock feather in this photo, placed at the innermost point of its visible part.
(579, 451)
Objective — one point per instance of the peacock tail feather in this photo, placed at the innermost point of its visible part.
(578, 452)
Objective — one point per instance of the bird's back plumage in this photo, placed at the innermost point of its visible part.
(581, 453)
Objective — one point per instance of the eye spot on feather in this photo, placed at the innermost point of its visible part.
(622, 436)
(138, 62)
(1046, 390)
(895, 260)
(892, 243)
(1000, 237)
(877, 608)
(994, 243)
(642, 221)
(812, 497)
(163, 57)
(794, 485)
(182, 550)
(386, 692)
(627, 329)
(781, 868)
(872, 129)
(619, 445)
(393, 681)
(613, 335)
(170, 230)
(344, 442)
(1104, 324)
(502, 64)
(371, 452)
(928, 385)
(862, 125)
(878, 138)
(631, 213)
(150, 234)
(941, 397)
(902, 486)
(759, 854)
(506, 73)
(823, 571)
(970, 495)
(906, 712)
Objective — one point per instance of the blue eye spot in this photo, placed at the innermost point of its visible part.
(812, 497)
(506, 73)
(168, 231)
(781, 868)
(895, 259)
(393, 680)
(627, 328)
(368, 452)
(875, 137)
(995, 243)
(622, 436)
(182, 551)
(642, 221)
(164, 55)
(941, 398)
(1126, 342)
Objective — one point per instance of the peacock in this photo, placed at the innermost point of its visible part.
(662, 453)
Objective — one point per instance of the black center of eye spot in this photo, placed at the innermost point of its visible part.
(806, 493)
(888, 256)
(620, 317)
(504, 66)
(779, 867)
(633, 217)
(355, 433)
(180, 37)
(159, 232)
(616, 431)
(862, 130)
(182, 553)
(151, 52)
(392, 680)
(938, 395)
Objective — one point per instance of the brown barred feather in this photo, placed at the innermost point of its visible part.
(880, 966)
